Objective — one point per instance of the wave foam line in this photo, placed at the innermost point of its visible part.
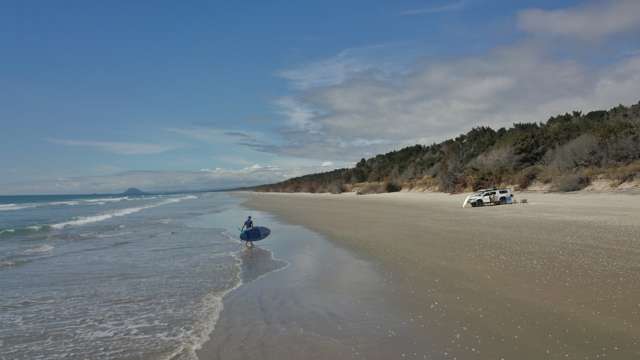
(38, 249)
(212, 306)
(118, 213)
(13, 207)
(99, 201)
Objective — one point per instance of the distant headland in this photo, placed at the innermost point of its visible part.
(133, 192)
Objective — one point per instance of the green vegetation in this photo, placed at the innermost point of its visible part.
(566, 153)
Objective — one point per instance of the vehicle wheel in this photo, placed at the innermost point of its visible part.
(503, 201)
(479, 203)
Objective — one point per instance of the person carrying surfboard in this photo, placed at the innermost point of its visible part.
(250, 233)
(248, 224)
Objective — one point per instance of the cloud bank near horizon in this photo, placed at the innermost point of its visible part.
(163, 181)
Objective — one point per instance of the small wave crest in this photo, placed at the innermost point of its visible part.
(6, 263)
(13, 207)
(123, 212)
(38, 250)
(98, 201)
(59, 203)
(23, 231)
(105, 200)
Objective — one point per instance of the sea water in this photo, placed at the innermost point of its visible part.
(96, 277)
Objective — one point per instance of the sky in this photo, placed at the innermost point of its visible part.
(96, 97)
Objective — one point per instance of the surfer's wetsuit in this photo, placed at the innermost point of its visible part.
(248, 225)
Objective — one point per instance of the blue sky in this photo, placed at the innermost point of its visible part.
(168, 95)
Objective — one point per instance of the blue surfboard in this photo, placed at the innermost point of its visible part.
(256, 233)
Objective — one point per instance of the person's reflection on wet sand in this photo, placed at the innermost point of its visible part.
(257, 262)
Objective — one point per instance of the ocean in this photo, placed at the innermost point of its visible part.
(106, 277)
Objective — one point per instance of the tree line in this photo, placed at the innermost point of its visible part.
(565, 153)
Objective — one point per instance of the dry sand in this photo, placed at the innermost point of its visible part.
(558, 278)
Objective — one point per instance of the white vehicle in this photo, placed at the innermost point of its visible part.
(485, 197)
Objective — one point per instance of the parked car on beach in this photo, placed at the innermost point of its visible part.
(492, 196)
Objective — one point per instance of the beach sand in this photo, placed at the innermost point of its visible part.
(557, 278)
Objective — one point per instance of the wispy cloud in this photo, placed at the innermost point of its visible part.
(454, 6)
(632, 53)
(382, 61)
(251, 139)
(298, 115)
(589, 22)
(123, 148)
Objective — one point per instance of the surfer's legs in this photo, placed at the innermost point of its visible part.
(250, 244)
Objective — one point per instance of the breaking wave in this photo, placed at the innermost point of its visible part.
(123, 212)
(13, 207)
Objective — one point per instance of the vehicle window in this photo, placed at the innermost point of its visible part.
(503, 191)
(489, 193)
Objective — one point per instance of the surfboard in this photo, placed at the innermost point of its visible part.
(256, 233)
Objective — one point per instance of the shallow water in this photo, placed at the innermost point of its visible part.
(116, 278)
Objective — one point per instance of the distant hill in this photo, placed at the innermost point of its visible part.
(567, 152)
(133, 192)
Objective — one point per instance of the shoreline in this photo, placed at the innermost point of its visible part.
(554, 278)
(294, 302)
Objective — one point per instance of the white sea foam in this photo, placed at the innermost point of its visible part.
(122, 212)
(38, 250)
(99, 201)
(7, 263)
(209, 313)
(107, 199)
(57, 203)
(106, 236)
(13, 207)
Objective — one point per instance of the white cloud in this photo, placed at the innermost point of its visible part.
(365, 115)
(382, 61)
(632, 53)
(454, 6)
(227, 137)
(593, 21)
(326, 163)
(123, 148)
(298, 115)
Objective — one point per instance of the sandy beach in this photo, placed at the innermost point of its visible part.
(557, 278)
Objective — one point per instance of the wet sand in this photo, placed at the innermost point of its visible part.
(558, 278)
(305, 298)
